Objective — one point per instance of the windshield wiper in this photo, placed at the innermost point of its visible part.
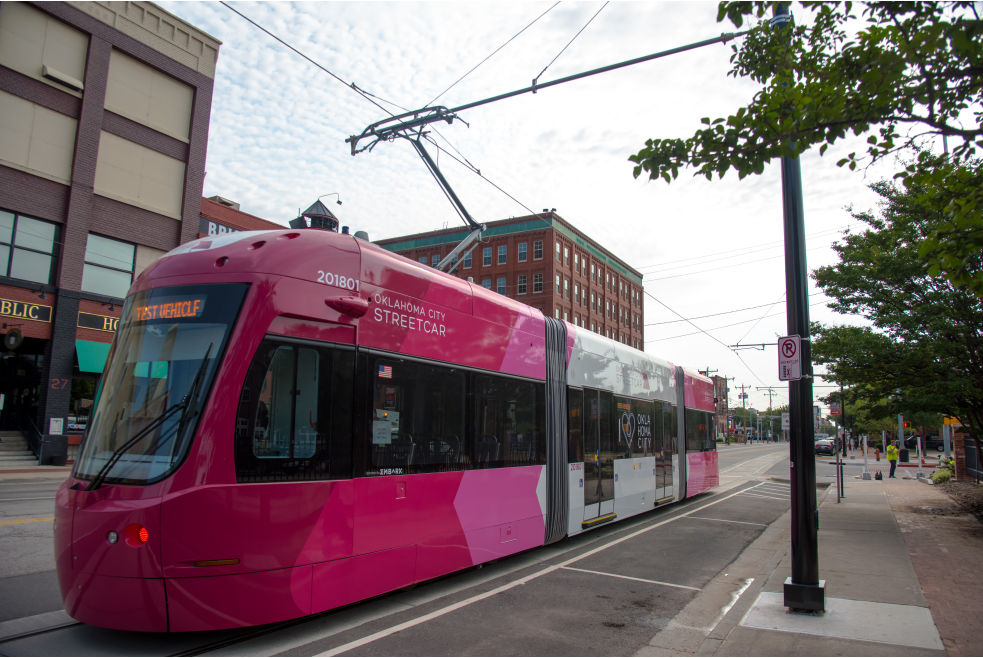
(186, 403)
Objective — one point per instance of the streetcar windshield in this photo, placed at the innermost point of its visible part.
(158, 355)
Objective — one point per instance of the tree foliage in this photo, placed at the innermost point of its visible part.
(923, 353)
(912, 73)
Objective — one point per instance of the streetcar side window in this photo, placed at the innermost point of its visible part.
(417, 417)
(510, 419)
(698, 431)
(294, 419)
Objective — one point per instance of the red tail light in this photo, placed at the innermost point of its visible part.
(135, 535)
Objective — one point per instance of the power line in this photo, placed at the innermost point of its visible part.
(774, 315)
(350, 86)
(758, 248)
(568, 44)
(490, 56)
(761, 318)
(727, 267)
(713, 315)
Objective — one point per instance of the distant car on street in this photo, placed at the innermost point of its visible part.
(825, 447)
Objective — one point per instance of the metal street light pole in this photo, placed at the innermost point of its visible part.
(803, 590)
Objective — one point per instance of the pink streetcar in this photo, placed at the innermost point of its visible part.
(292, 421)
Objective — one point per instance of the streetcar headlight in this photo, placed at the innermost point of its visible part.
(112, 537)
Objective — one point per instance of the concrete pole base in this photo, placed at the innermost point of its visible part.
(805, 598)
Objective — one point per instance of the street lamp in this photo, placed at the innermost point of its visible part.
(329, 194)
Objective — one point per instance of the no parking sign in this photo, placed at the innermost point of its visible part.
(789, 358)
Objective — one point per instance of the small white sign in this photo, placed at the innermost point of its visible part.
(56, 426)
(789, 358)
(786, 422)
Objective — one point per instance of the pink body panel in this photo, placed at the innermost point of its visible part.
(342, 582)
(698, 391)
(126, 604)
(505, 539)
(703, 472)
(302, 522)
(514, 496)
(248, 599)
(114, 507)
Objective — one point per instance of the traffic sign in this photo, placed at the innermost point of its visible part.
(834, 408)
(786, 421)
(789, 358)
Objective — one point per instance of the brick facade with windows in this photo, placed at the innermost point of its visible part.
(58, 168)
(595, 290)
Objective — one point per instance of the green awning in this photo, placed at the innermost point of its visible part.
(91, 355)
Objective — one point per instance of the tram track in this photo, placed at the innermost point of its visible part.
(462, 581)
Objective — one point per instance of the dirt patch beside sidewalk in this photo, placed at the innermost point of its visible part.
(967, 495)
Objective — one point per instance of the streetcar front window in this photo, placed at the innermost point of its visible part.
(157, 380)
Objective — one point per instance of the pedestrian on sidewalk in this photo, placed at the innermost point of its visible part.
(892, 457)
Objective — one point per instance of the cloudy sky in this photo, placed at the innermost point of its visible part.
(278, 127)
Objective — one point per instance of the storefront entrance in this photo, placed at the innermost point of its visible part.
(20, 383)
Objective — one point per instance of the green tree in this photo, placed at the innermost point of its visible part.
(923, 353)
(911, 74)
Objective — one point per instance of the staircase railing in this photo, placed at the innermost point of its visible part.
(31, 433)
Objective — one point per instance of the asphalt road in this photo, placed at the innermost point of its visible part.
(28, 584)
(607, 592)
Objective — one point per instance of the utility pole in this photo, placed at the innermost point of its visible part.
(744, 409)
(803, 590)
(771, 409)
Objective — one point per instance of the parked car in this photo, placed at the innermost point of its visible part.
(825, 447)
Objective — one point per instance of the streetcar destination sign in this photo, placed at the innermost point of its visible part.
(789, 358)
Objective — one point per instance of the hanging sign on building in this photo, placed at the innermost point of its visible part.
(97, 322)
(25, 310)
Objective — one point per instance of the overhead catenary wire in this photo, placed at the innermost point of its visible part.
(713, 315)
(350, 86)
(727, 267)
(761, 318)
(490, 56)
(569, 42)
(736, 324)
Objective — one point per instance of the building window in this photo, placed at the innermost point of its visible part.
(593, 327)
(557, 314)
(486, 283)
(557, 252)
(566, 318)
(467, 260)
(486, 257)
(522, 252)
(521, 284)
(537, 283)
(576, 263)
(108, 268)
(592, 272)
(566, 287)
(423, 260)
(557, 284)
(501, 285)
(537, 250)
(583, 296)
(607, 281)
(502, 252)
(453, 265)
(607, 309)
(27, 247)
(593, 305)
(576, 292)
(566, 256)
(434, 260)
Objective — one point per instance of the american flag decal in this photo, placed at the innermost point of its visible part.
(386, 372)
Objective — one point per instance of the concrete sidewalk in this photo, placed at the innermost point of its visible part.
(875, 603)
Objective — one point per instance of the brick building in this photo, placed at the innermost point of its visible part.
(104, 112)
(545, 262)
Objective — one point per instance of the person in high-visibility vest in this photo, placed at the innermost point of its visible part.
(892, 457)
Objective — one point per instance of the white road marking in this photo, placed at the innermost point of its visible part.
(704, 518)
(768, 497)
(641, 580)
(522, 581)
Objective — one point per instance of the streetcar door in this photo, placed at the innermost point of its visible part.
(598, 454)
(667, 452)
